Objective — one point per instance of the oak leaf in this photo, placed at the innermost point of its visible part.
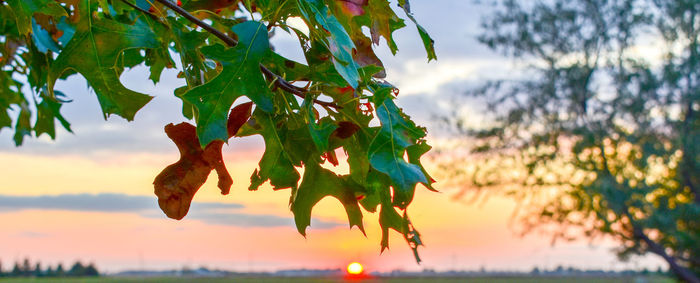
(353, 7)
(345, 130)
(364, 55)
(177, 184)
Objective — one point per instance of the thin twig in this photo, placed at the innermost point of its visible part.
(288, 87)
(225, 38)
(277, 79)
(132, 5)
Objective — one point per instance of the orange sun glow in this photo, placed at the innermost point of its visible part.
(355, 268)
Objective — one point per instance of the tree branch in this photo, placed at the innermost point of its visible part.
(682, 272)
(225, 38)
(132, 5)
(277, 79)
(288, 87)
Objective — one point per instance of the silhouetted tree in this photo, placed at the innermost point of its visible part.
(91, 270)
(38, 272)
(60, 272)
(597, 137)
(50, 272)
(16, 270)
(78, 269)
(26, 268)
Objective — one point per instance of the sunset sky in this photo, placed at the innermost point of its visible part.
(89, 195)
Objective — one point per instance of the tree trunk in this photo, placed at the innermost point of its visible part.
(683, 273)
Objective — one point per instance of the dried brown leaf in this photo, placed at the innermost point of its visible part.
(177, 184)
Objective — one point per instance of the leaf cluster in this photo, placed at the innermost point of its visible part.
(306, 113)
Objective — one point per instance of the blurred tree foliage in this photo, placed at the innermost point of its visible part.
(599, 135)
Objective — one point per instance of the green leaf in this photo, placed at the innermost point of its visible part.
(275, 164)
(158, 59)
(286, 68)
(427, 41)
(104, 6)
(298, 142)
(188, 42)
(320, 132)
(390, 219)
(376, 187)
(317, 184)
(414, 154)
(337, 40)
(130, 58)
(5, 120)
(240, 76)
(7, 95)
(93, 52)
(144, 4)
(9, 98)
(382, 22)
(322, 67)
(48, 110)
(23, 125)
(25, 10)
(386, 152)
(38, 67)
(356, 145)
(8, 25)
(187, 108)
(120, 7)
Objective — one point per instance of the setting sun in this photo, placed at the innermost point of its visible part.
(355, 268)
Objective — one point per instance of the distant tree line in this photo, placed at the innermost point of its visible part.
(573, 271)
(29, 269)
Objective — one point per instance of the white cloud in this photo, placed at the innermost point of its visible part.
(418, 77)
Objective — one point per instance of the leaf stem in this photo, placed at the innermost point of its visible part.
(277, 79)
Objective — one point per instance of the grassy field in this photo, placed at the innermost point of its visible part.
(333, 280)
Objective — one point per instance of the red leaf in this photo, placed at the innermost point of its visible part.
(346, 89)
(345, 129)
(212, 155)
(353, 7)
(364, 55)
(330, 157)
(177, 184)
(237, 118)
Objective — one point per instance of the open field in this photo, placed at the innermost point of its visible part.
(650, 279)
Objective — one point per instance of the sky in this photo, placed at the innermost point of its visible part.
(89, 195)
